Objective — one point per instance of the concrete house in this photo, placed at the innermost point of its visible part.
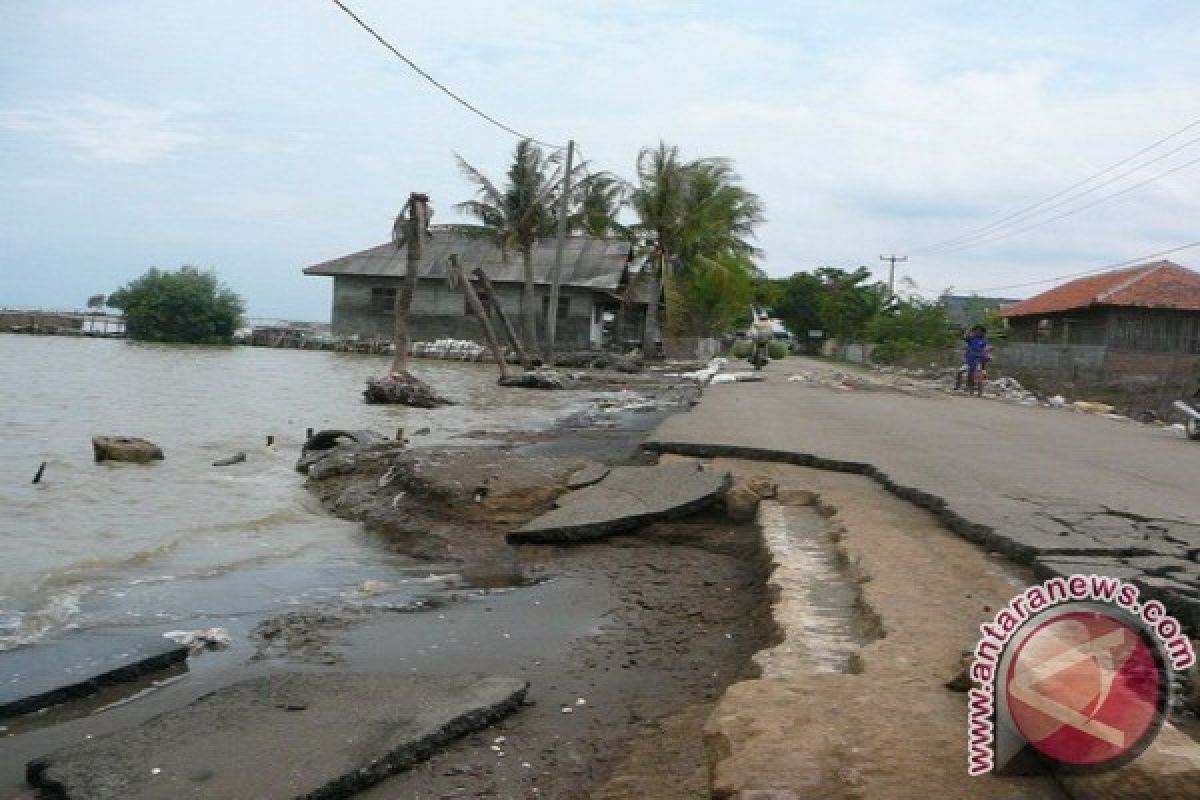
(596, 306)
(1132, 326)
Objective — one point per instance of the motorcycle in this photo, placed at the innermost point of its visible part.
(1191, 416)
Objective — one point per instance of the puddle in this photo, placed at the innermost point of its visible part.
(822, 619)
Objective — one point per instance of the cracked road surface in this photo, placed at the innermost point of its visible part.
(1060, 490)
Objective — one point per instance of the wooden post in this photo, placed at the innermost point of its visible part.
(38, 477)
(556, 274)
(508, 328)
(455, 271)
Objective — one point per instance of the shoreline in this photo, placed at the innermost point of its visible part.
(605, 622)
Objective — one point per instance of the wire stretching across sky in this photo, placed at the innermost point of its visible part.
(470, 106)
(1127, 263)
(1064, 197)
(1006, 234)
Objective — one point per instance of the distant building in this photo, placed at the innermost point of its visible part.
(1151, 308)
(1134, 331)
(598, 300)
(968, 309)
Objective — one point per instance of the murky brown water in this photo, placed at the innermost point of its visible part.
(182, 544)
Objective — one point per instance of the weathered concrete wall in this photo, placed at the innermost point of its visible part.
(438, 312)
(1069, 363)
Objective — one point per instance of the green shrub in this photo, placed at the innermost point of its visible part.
(777, 350)
(183, 306)
(741, 348)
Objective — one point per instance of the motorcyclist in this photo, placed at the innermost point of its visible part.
(761, 333)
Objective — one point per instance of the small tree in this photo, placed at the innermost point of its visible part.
(96, 301)
(915, 327)
(188, 305)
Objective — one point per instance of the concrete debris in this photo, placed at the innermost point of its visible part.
(375, 724)
(705, 375)
(200, 640)
(1092, 408)
(626, 498)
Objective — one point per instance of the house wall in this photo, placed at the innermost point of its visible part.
(1140, 329)
(439, 312)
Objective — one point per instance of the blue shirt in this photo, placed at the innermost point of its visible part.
(976, 346)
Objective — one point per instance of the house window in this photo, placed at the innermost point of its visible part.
(564, 307)
(383, 299)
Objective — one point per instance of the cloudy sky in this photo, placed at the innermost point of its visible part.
(259, 136)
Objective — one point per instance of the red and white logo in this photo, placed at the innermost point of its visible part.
(1085, 688)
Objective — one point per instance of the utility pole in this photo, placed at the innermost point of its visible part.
(892, 273)
(556, 274)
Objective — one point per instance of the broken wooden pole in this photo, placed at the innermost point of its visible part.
(508, 328)
(308, 433)
(270, 440)
(37, 478)
(478, 310)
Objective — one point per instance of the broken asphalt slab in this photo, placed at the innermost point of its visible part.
(290, 735)
(624, 499)
(33, 678)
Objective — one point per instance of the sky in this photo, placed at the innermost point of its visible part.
(256, 138)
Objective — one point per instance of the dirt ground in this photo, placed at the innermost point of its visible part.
(627, 644)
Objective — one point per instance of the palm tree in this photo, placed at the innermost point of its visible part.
(408, 232)
(687, 211)
(600, 199)
(518, 217)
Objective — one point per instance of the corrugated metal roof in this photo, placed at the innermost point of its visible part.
(588, 262)
(1161, 284)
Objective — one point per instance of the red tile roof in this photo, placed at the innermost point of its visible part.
(1161, 284)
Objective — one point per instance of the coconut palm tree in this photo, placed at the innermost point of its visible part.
(687, 210)
(600, 199)
(518, 216)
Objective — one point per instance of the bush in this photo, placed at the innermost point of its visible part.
(777, 350)
(741, 349)
(184, 306)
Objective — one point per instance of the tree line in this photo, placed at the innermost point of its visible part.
(693, 226)
(690, 222)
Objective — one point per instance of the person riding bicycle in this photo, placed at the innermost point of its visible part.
(976, 355)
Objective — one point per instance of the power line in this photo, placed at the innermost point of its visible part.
(1105, 268)
(439, 85)
(1069, 212)
(981, 237)
(1023, 212)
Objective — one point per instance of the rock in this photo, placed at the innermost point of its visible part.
(403, 389)
(741, 502)
(125, 448)
(762, 486)
(340, 448)
(626, 498)
(1057, 401)
(284, 735)
(236, 458)
(535, 379)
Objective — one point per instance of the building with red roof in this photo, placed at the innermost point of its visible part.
(1148, 308)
